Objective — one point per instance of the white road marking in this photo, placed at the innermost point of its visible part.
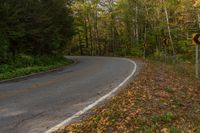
(81, 112)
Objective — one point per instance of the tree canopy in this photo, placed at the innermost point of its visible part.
(34, 27)
(160, 28)
(149, 28)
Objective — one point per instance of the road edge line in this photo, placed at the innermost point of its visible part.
(89, 107)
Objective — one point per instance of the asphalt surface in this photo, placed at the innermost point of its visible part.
(38, 103)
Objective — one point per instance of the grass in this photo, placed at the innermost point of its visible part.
(174, 130)
(162, 98)
(169, 90)
(198, 130)
(26, 65)
(165, 117)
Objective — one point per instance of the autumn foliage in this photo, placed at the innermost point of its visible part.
(158, 100)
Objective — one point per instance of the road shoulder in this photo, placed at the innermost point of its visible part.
(160, 99)
(100, 101)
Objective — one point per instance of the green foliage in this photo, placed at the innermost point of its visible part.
(148, 130)
(38, 27)
(169, 90)
(122, 28)
(175, 130)
(24, 65)
(165, 117)
(135, 51)
(3, 49)
(197, 130)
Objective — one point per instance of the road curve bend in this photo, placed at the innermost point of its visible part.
(37, 104)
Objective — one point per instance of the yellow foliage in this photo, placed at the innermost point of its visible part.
(197, 3)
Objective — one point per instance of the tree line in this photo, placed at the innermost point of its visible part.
(148, 28)
(34, 27)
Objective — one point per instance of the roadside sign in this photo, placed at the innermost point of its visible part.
(165, 42)
(196, 39)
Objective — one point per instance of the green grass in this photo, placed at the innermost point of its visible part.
(26, 65)
(174, 130)
(197, 129)
(177, 102)
(169, 90)
(165, 117)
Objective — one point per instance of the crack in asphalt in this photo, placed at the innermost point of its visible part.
(26, 119)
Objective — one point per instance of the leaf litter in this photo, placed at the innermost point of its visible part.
(161, 99)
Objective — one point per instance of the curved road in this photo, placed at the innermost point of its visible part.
(38, 103)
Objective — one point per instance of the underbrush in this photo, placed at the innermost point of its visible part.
(24, 65)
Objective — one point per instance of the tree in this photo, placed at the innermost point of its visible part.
(103, 27)
(36, 27)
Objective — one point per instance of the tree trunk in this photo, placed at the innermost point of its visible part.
(198, 16)
(86, 32)
(145, 39)
(91, 37)
(169, 30)
(80, 45)
(97, 34)
(137, 26)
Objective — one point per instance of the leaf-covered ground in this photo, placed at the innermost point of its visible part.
(162, 98)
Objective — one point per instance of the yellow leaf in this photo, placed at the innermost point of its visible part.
(165, 130)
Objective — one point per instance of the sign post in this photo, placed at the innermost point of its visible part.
(197, 61)
(196, 41)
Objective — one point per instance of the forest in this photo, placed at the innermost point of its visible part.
(161, 29)
(45, 76)
(34, 27)
(157, 29)
(33, 34)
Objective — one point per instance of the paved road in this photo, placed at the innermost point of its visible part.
(38, 103)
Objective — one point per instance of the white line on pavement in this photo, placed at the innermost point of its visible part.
(81, 112)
